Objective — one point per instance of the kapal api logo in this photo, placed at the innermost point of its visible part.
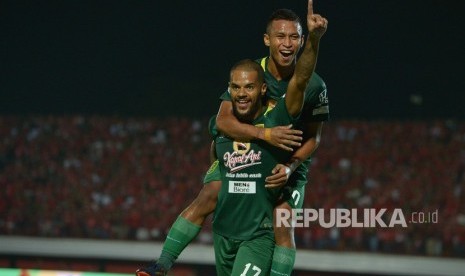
(242, 157)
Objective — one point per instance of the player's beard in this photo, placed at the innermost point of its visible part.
(246, 116)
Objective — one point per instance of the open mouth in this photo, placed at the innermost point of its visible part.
(286, 54)
(242, 103)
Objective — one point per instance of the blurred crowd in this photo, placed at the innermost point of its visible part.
(128, 178)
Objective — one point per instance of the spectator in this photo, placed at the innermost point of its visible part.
(83, 177)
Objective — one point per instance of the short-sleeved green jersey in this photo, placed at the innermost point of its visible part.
(245, 207)
(316, 103)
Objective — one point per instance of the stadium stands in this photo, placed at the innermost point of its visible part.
(128, 178)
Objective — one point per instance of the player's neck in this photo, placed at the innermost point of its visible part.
(249, 118)
(260, 111)
(280, 72)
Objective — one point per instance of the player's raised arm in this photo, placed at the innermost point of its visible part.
(281, 136)
(305, 66)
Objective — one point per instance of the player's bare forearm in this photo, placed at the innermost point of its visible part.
(281, 173)
(283, 137)
(306, 63)
(301, 154)
(212, 152)
(231, 126)
(310, 144)
(279, 176)
(317, 26)
(302, 74)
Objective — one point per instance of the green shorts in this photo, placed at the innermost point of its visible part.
(293, 193)
(243, 258)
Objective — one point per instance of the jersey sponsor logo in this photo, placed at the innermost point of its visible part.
(236, 161)
(242, 187)
(323, 97)
(244, 175)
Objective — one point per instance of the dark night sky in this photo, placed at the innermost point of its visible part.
(139, 57)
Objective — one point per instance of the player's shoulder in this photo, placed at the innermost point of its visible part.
(212, 126)
(317, 81)
(260, 60)
(315, 87)
(263, 62)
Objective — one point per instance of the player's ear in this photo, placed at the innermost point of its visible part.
(266, 39)
(263, 91)
(302, 40)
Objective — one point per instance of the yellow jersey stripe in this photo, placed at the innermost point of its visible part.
(263, 63)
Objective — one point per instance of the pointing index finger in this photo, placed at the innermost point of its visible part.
(310, 7)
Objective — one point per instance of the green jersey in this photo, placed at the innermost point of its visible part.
(245, 207)
(316, 104)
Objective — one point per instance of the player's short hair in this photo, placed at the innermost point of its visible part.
(250, 65)
(282, 14)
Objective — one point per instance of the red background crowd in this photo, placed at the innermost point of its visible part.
(128, 178)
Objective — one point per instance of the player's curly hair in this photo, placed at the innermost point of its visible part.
(284, 14)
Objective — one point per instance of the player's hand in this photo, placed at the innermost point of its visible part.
(316, 23)
(278, 178)
(284, 137)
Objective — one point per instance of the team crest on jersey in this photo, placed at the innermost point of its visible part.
(213, 167)
(241, 147)
(242, 157)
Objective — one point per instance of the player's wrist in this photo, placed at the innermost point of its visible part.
(260, 133)
(267, 134)
(313, 42)
(264, 134)
(293, 164)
